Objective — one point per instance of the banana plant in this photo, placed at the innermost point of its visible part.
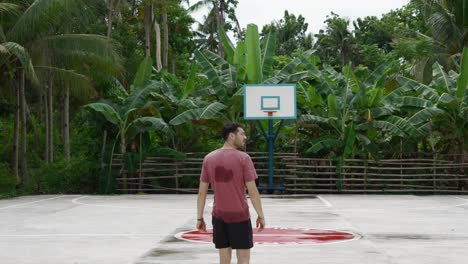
(351, 110)
(445, 105)
(249, 62)
(130, 115)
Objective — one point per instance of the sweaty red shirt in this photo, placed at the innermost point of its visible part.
(227, 170)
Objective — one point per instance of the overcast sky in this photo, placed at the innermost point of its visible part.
(262, 12)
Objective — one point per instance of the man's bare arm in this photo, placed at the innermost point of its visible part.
(201, 199)
(256, 202)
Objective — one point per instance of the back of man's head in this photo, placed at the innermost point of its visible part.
(230, 127)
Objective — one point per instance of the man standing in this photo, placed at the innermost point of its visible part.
(229, 171)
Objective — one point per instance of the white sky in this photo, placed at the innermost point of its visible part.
(261, 12)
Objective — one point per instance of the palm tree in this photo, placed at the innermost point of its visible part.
(447, 21)
(216, 19)
(33, 43)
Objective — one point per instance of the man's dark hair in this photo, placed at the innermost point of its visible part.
(230, 127)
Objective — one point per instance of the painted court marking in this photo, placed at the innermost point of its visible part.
(276, 235)
(33, 202)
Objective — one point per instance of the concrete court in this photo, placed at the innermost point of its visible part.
(403, 229)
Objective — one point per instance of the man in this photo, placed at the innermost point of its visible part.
(229, 171)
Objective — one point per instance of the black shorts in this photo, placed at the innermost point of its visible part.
(233, 235)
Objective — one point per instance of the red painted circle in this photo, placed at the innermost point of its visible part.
(279, 236)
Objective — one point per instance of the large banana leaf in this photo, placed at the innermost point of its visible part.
(208, 112)
(462, 83)
(139, 96)
(446, 99)
(148, 123)
(325, 142)
(441, 78)
(425, 115)
(333, 110)
(313, 119)
(298, 76)
(405, 126)
(385, 126)
(253, 58)
(190, 83)
(143, 73)
(227, 44)
(411, 101)
(209, 70)
(287, 70)
(426, 91)
(378, 75)
(108, 111)
(239, 60)
(268, 53)
(229, 77)
(214, 58)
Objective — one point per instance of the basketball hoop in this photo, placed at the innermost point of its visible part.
(270, 113)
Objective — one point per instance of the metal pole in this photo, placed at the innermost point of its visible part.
(271, 138)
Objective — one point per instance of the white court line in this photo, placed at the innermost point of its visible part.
(327, 203)
(38, 201)
(76, 201)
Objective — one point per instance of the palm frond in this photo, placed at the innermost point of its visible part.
(23, 57)
(80, 85)
(42, 15)
(84, 44)
(9, 8)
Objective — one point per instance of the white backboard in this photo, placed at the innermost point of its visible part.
(278, 99)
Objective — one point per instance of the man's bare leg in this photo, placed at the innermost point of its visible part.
(225, 255)
(243, 256)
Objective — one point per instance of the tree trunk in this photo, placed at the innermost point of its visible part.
(110, 16)
(166, 35)
(62, 117)
(16, 137)
(51, 119)
(220, 24)
(66, 124)
(157, 31)
(123, 148)
(103, 149)
(158, 45)
(147, 23)
(24, 165)
(173, 63)
(46, 125)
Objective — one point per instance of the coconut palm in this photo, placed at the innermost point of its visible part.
(34, 44)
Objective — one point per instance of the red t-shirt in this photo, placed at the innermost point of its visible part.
(227, 170)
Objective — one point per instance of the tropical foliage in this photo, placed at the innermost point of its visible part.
(87, 83)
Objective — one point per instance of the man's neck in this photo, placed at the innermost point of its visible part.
(228, 146)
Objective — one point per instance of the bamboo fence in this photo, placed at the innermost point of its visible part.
(308, 175)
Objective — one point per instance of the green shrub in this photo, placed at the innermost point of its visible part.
(75, 176)
(7, 181)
